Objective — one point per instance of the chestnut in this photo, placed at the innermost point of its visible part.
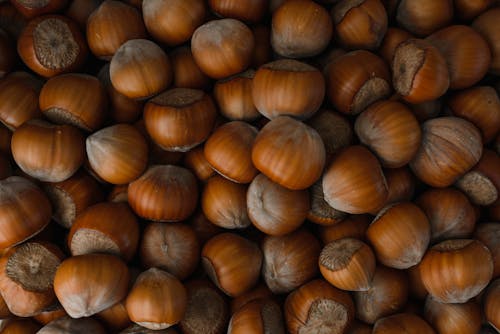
(466, 52)
(247, 12)
(453, 318)
(491, 304)
(229, 151)
(87, 284)
(334, 128)
(258, 316)
(399, 235)
(450, 147)
(222, 47)
(117, 154)
(355, 80)
(300, 28)
(479, 105)
(387, 294)
(140, 69)
(55, 151)
(171, 247)
(450, 213)
(173, 22)
(275, 87)
(321, 212)
(187, 74)
(354, 226)
(232, 262)
(70, 197)
(164, 193)
(348, 264)
(489, 235)
(157, 300)
(390, 130)
(290, 260)
(224, 203)
(464, 267)
(26, 276)
(35, 45)
(279, 150)
(207, 310)
(180, 118)
(105, 227)
(424, 17)
(234, 97)
(274, 209)
(19, 95)
(25, 210)
(354, 182)
(419, 71)
(359, 24)
(74, 99)
(407, 323)
(112, 24)
(318, 307)
(66, 325)
(31, 9)
(487, 25)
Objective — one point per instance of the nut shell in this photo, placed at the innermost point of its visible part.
(164, 193)
(354, 182)
(279, 149)
(464, 267)
(450, 147)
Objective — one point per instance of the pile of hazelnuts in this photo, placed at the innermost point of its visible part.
(250, 166)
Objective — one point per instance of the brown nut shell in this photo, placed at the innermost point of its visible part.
(419, 71)
(354, 182)
(164, 193)
(452, 261)
(400, 234)
(279, 149)
(450, 147)
(232, 262)
(318, 307)
(35, 45)
(87, 284)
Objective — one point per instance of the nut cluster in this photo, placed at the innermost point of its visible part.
(264, 166)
